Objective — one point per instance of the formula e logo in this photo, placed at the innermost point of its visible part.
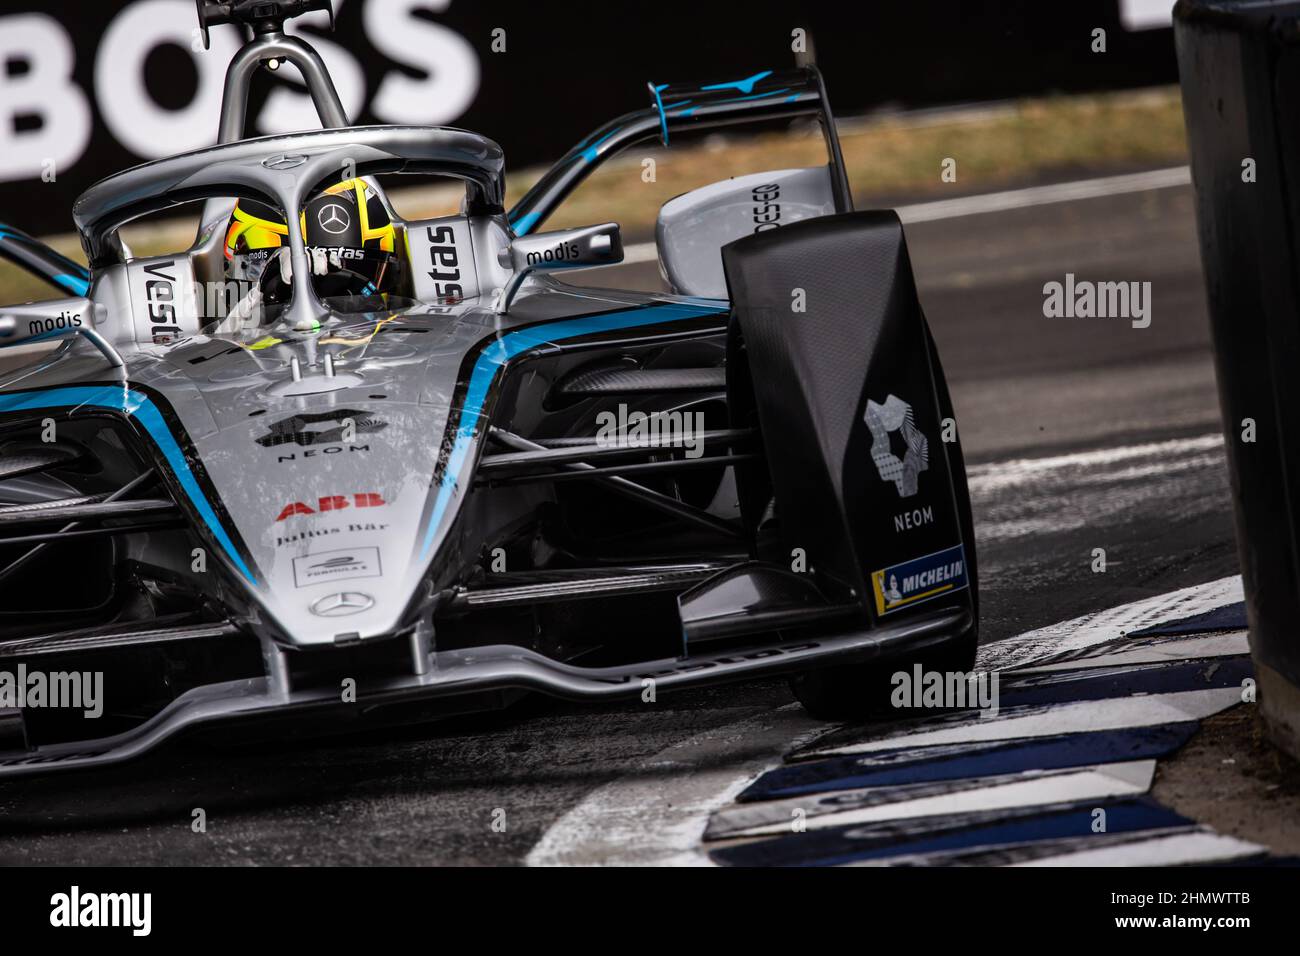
(333, 565)
(320, 428)
(898, 448)
(364, 499)
(284, 161)
(334, 219)
(345, 563)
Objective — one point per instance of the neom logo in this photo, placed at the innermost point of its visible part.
(321, 428)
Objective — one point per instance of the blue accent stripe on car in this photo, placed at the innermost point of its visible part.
(39, 337)
(773, 95)
(745, 86)
(526, 223)
(758, 96)
(78, 285)
(659, 104)
(141, 409)
(590, 153)
(500, 351)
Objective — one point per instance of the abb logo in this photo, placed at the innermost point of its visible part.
(363, 499)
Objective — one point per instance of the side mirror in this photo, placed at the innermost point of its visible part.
(55, 319)
(554, 251)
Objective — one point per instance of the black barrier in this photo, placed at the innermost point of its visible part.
(1240, 74)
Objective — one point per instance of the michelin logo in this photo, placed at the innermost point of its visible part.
(920, 579)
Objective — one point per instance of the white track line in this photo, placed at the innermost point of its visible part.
(1003, 201)
(1087, 716)
(655, 815)
(1002, 475)
(640, 252)
(1045, 195)
(1091, 629)
(1163, 650)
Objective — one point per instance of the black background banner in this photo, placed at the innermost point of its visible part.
(87, 89)
(922, 907)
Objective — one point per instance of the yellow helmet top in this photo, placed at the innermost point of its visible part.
(255, 225)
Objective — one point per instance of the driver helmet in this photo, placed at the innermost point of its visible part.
(350, 243)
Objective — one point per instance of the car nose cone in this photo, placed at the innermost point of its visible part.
(343, 603)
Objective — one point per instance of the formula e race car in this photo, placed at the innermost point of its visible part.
(328, 467)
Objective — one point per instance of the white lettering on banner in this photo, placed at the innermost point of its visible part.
(44, 90)
(432, 80)
(447, 59)
(132, 116)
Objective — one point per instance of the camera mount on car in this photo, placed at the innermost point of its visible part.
(263, 16)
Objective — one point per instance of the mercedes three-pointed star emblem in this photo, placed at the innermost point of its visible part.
(345, 602)
(284, 161)
(334, 219)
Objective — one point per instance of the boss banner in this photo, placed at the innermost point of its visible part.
(88, 89)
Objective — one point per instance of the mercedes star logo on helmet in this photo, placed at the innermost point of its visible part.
(334, 219)
(345, 602)
(284, 161)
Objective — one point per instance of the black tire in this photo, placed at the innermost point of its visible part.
(957, 462)
(862, 691)
(858, 691)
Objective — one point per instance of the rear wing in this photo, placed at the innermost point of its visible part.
(676, 107)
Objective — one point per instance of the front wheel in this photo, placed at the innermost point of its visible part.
(860, 691)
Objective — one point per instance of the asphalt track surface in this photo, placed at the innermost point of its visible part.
(1080, 434)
